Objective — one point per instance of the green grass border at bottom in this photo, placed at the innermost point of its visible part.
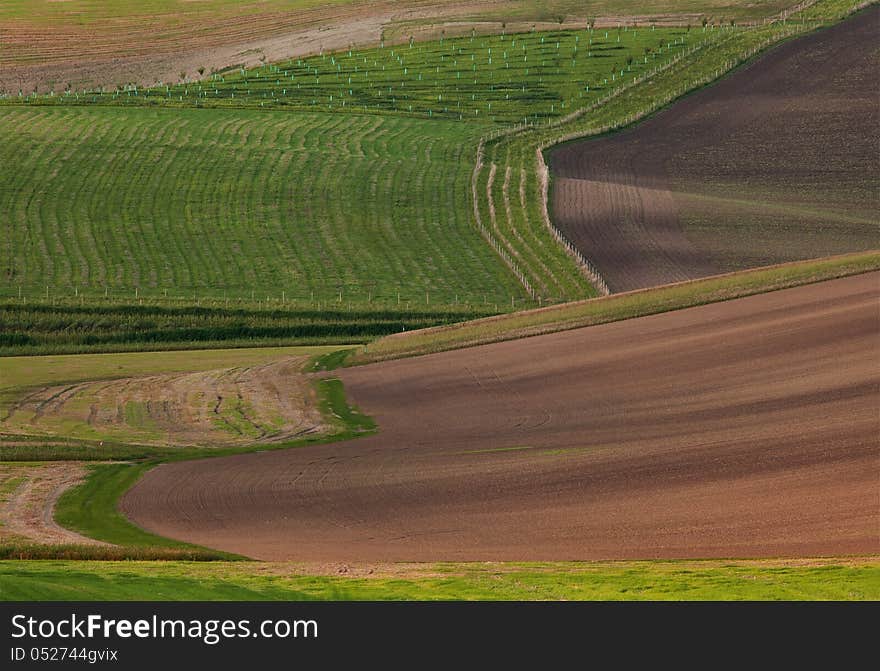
(819, 579)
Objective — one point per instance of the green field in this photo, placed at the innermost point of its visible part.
(308, 206)
(508, 79)
(334, 199)
(240, 204)
(845, 579)
(374, 211)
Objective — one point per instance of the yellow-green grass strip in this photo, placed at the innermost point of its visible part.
(771, 579)
(616, 307)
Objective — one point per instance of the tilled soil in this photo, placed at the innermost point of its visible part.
(747, 428)
(777, 162)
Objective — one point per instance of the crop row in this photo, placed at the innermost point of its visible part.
(237, 203)
(45, 329)
(233, 203)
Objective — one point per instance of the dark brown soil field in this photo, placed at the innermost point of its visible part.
(740, 429)
(778, 162)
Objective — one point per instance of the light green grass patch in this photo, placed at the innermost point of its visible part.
(20, 373)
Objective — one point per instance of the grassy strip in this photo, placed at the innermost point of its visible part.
(348, 420)
(91, 508)
(23, 449)
(73, 552)
(330, 361)
(617, 307)
(838, 579)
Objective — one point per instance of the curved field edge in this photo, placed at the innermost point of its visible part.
(92, 508)
(812, 579)
(617, 307)
(633, 258)
(506, 192)
(521, 150)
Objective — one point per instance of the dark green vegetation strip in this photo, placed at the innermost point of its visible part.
(330, 361)
(617, 307)
(22, 448)
(843, 579)
(72, 328)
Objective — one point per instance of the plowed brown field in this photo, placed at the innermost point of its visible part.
(747, 428)
(778, 162)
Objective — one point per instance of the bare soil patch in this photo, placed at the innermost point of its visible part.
(778, 162)
(747, 428)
